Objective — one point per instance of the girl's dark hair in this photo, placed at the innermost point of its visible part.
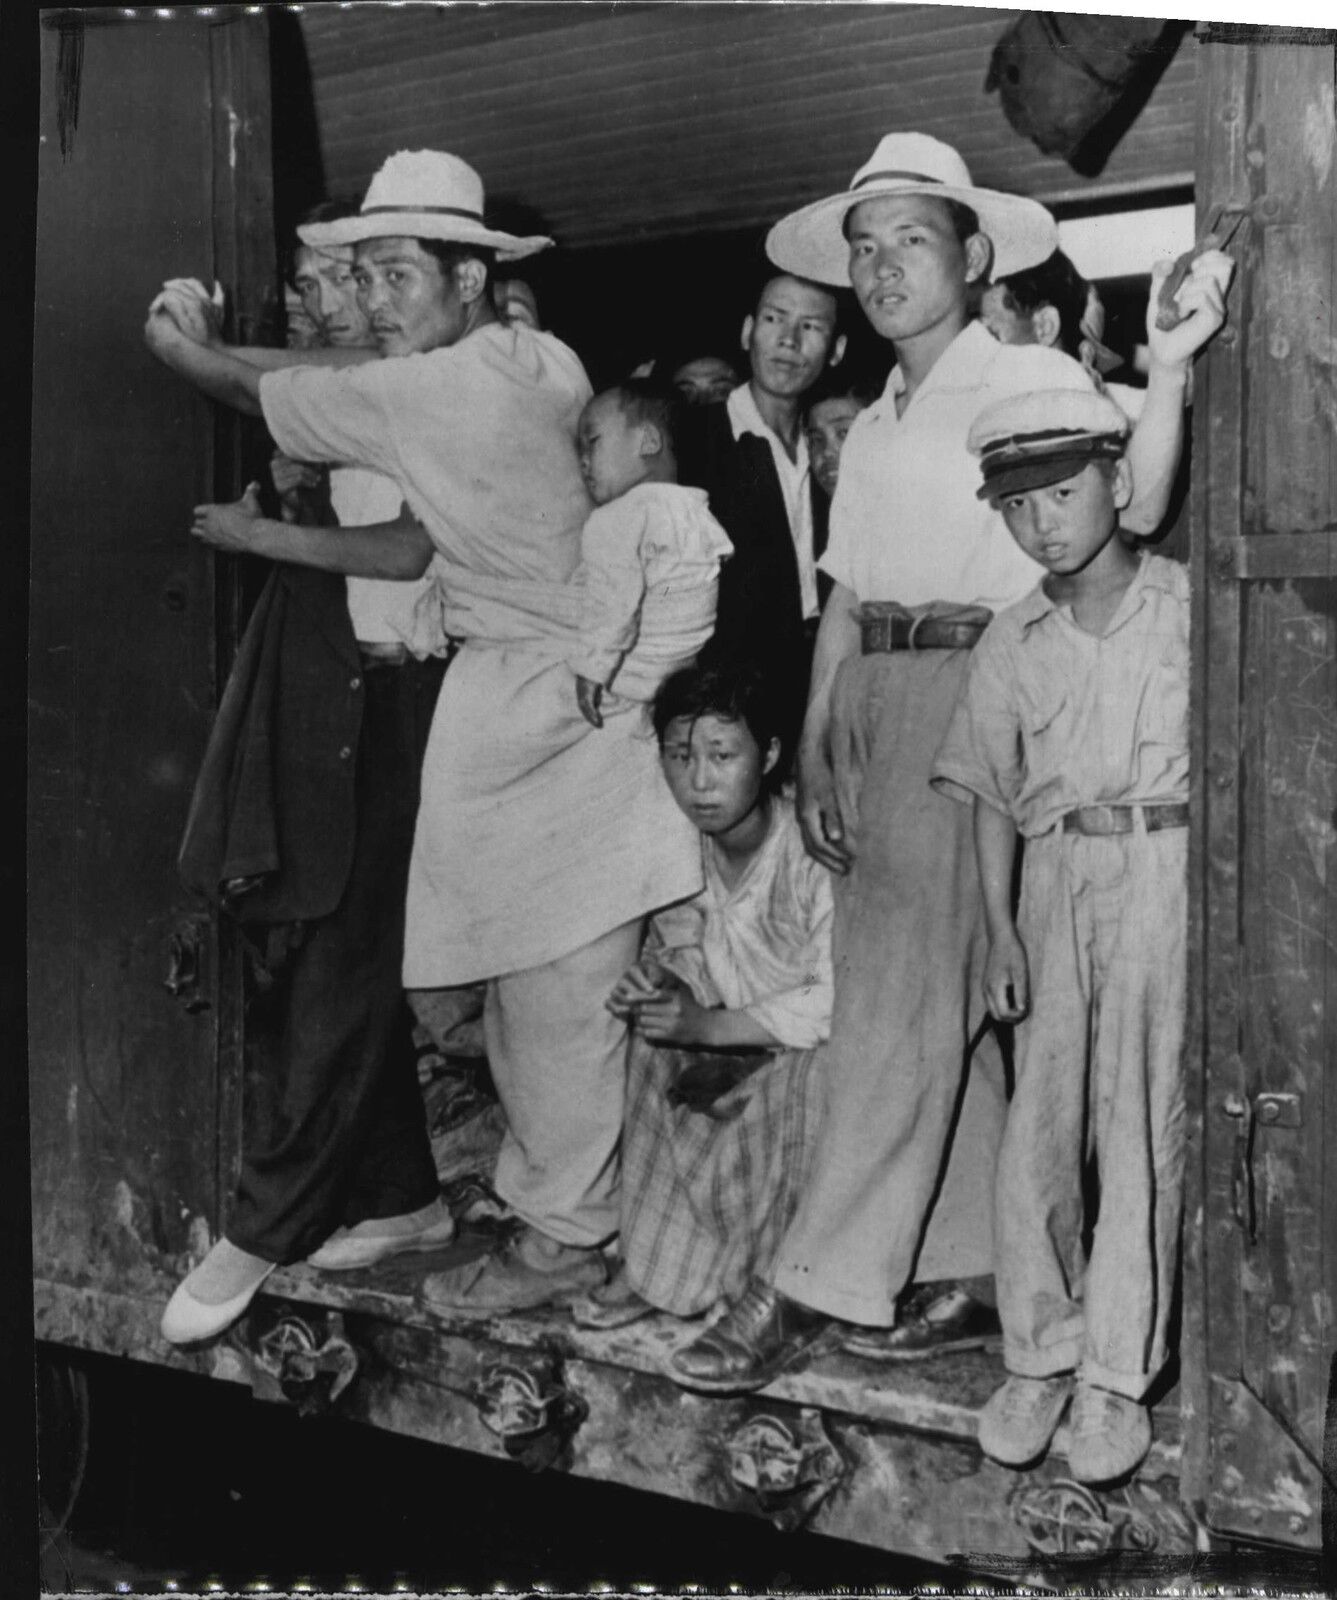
(733, 691)
(450, 252)
(334, 210)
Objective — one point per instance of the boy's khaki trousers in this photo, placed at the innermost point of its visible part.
(1099, 1076)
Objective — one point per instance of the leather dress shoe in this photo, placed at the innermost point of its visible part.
(934, 1320)
(527, 1272)
(614, 1304)
(763, 1334)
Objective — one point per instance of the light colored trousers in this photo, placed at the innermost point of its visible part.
(1099, 1074)
(903, 1171)
(559, 1061)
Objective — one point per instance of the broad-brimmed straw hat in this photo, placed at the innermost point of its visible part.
(811, 242)
(423, 194)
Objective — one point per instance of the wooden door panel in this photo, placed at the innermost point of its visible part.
(1263, 1163)
(1289, 937)
(123, 648)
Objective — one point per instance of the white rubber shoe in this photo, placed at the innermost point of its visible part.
(214, 1294)
(1018, 1421)
(1110, 1435)
(378, 1238)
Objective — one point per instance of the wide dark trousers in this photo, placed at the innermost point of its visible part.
(333, 1125)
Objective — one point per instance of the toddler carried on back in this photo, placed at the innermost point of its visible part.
(650, 553)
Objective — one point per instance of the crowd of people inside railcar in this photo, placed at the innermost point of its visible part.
(696, 726)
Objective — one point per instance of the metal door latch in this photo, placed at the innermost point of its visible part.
(1278, 1110)
(186, 964)
(1241, 1180)
(1272, 1110)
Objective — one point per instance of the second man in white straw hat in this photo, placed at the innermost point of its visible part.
(902, 1175)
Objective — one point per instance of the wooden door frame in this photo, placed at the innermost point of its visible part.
(1243, 1470)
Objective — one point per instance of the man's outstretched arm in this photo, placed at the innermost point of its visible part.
(183, 337)
(213, 372)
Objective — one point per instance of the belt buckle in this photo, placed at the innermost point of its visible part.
(1110, 820)
(874, 633)
(1098, 821)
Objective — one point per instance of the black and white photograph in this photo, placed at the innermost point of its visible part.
(681, 749)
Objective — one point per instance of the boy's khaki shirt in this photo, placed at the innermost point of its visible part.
(1052, 717)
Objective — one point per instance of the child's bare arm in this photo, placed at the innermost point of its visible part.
(678, 1018)
(1006, 977)
(1157, 439)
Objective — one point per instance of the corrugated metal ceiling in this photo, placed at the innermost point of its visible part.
(652, 121)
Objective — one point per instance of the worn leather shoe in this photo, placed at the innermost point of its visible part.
(1108, 1435)
(378, 1238)
(763, 1334)
(526, 1273)
(614, 1304)
(1018, 1421)
(933, 1321)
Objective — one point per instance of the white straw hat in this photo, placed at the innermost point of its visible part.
(811, 242)
(423, 194)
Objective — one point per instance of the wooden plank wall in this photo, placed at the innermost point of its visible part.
(642, 122)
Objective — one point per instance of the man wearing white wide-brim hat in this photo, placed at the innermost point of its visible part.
(902, 1174)
(531, 869)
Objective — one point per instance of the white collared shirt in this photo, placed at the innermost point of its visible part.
(382, 609)
(905, 523)
(795, 487)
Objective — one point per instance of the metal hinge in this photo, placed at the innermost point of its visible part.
(1273, 1110)
(1265, 1484)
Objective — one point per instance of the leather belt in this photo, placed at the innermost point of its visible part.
(1098, 821)
(883, 631)
(387, 653)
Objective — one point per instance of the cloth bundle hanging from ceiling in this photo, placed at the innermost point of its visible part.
(1062, 79)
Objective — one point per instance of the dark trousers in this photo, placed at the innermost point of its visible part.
(334, 1130)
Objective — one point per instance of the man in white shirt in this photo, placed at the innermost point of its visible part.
(752, 459)
(475, 422)
(903, 1171)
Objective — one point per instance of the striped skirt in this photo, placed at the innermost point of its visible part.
(707, 1195)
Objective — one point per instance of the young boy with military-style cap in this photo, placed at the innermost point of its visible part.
(1072, 731)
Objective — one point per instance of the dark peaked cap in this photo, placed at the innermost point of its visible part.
(1032, 440)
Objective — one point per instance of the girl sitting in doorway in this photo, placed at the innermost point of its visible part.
(727, 1004)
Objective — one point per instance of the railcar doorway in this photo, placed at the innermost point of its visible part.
(653, 144)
